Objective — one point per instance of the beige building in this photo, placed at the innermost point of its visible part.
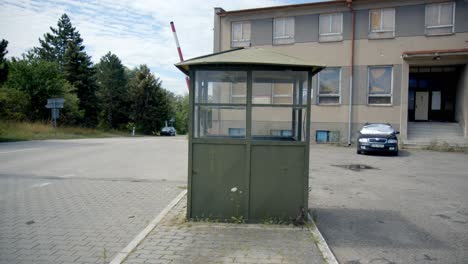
(402, 62)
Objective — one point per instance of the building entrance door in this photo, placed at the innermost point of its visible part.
(421, 106)
(432, 93)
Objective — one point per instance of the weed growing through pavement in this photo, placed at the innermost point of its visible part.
(235, 197)
(276, 221)
(104, 255)
(315, 216)
(445, 147)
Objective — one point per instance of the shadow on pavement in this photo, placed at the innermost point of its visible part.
(401, 153)
(372, 228)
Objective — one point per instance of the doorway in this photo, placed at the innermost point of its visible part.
(432, 92)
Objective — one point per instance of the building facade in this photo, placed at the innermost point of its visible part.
(402, 62)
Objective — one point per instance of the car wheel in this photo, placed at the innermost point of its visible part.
(358, 151)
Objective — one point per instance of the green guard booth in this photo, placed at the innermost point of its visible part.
(249, 135)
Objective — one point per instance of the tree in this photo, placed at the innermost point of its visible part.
(65, 47)
(112, 92)
(36, 80)
(180, 109)
(151, 106)
(54, 46)
(79, 71)
(3, 61)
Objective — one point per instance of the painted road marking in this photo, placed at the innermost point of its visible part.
(41, 185)
(18, 150)
(123, 254)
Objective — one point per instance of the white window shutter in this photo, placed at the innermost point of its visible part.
(336, 20)
(237, 31)
(432, 15)
(388, 20)
(289, 27)
(324, 23)
(246, 31)
(446, 14)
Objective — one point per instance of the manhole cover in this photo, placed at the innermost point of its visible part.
(355, 167)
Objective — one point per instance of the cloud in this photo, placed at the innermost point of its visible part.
(135, 30)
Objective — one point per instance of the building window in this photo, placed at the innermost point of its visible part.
(329, 86)
(273, 93)
(281, 132)
(331, 27)
(282, 93)
(238, 93)
(440, 18)
(326, 136)
(382, 23)
(380, 82)
(283, 30)
(236, 132)
(240, 34)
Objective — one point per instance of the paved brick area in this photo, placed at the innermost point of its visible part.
(50, 220)
(176, 241)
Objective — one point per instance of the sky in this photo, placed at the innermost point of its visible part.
(137, 31)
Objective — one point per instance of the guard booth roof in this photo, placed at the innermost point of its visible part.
(251, 56)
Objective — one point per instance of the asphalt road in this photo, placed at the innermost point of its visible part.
(78, 201)
(142, 158)
(407, 209)
(82, 201)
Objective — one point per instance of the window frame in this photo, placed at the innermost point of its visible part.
(374, 34)
(246, 41)
(284, 37)
(199, 106)
(329, 95)
(341, 24)
(380, 95)
(331, 37)
(427, 27)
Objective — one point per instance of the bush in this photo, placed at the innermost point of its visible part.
(14, 104)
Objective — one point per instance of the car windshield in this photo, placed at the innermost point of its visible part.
(377, 129)
(166, 129)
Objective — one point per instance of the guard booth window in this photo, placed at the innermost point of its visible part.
(279, 101)
(278, 105)
(216, 113)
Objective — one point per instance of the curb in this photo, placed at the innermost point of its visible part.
(123, 254)
(322, 245)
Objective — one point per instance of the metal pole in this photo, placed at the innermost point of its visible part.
(350, 110)
(181, 57)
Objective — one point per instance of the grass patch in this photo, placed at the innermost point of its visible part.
(21, 131)
(445, 147)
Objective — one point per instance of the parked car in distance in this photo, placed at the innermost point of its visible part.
(377, 138)
(168, 131)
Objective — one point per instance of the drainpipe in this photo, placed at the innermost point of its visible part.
(350, 111)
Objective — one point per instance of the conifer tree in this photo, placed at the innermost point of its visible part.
(112, 92)
(3, 61)
(64, 45)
